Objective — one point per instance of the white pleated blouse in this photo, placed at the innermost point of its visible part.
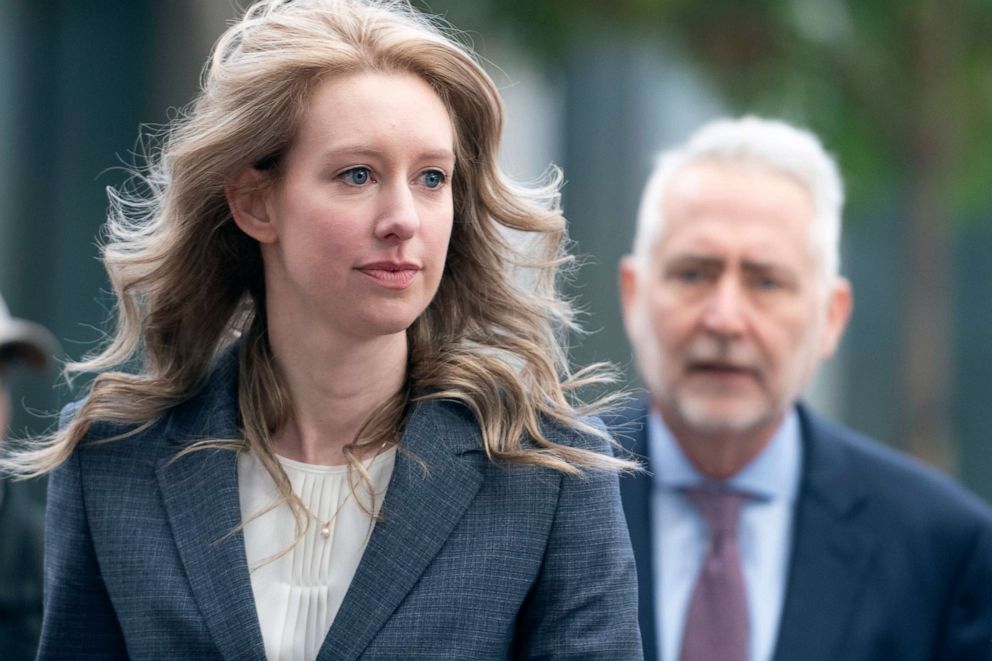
(298, 595)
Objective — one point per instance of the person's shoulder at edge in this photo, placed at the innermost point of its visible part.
(903, 481)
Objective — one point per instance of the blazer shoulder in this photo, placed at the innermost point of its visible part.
(209, 411)
(111, 446)
(132, 442)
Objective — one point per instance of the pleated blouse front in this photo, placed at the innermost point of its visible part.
(298, 594)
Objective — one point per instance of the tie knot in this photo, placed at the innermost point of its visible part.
(720, 509)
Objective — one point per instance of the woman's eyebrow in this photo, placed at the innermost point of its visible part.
(442, 154)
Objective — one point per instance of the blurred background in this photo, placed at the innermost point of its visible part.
(899, 90)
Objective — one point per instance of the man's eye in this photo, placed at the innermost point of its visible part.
(689, 276)
(767, 283)
(433, 178)
(356, 176)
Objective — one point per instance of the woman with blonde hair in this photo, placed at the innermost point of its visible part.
(336, 420)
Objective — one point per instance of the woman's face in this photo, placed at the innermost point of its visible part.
(360, 217)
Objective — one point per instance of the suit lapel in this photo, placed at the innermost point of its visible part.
(831, 555)
(635, 490)
(424, 502)
(200, 492)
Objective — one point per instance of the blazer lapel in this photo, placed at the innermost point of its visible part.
(831, 555)
(436, 476)
(200, 493)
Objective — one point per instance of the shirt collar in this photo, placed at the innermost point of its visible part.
(773, 474)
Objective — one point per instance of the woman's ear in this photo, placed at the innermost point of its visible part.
(247, 198)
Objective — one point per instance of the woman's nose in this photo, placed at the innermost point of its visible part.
(398, 217)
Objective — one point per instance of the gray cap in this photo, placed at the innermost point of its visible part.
(24, 341)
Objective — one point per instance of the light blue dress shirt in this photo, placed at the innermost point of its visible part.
(764, 533)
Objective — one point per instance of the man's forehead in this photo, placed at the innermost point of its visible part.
(718, 237)
(717, 188)
(717, 211)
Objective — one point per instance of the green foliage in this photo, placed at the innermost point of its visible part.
(890, 85)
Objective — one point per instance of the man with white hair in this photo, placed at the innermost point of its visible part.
(21, 516)
(762, 531)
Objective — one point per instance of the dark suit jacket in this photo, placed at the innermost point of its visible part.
(891, 561)
(20, 571)
(471, 560)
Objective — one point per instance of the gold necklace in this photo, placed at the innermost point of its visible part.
(325, 526)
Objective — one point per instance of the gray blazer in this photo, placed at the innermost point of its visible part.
(471, 560)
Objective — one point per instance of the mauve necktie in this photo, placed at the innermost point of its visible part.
(716, 624)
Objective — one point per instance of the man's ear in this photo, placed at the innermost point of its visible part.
(247, 197)
(629, 273)
(840, 301)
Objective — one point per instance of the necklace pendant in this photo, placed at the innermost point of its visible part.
(325, 530)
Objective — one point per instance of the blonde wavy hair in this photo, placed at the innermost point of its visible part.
(189, 283)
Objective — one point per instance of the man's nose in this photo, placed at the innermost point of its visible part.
(726, 308)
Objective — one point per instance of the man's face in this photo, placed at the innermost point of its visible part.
(730, 314)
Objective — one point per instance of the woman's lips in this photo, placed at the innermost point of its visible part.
(389, 275)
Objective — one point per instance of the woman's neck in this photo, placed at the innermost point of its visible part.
(334, 386)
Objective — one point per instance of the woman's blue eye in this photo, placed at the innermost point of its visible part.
(357, 176)
(433, 178)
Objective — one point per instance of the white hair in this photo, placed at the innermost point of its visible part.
(767, 143)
